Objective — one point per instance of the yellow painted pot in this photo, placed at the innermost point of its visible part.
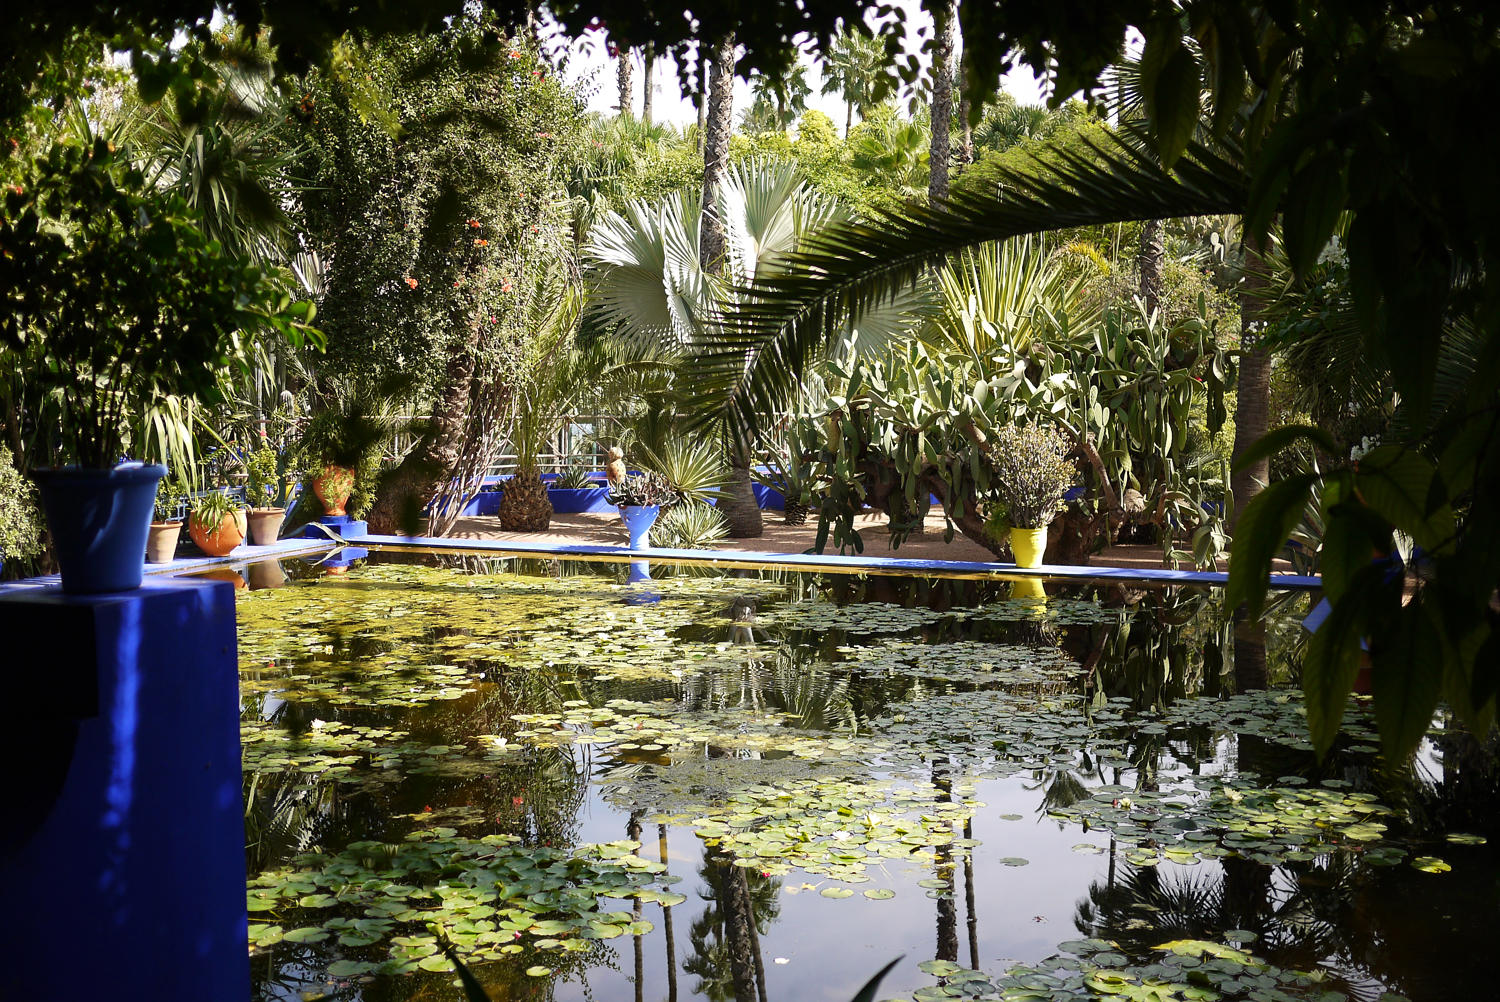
(1028, 545)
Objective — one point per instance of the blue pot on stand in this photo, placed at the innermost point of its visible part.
(638, 521)
(99, 521)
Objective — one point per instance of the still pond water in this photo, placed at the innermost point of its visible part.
(766, 785)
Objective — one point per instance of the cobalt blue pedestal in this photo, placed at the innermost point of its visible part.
(122, 864)
(340, 525)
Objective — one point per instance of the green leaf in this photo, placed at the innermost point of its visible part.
(307, 934)
(1347, 546)
(867, 993)
(1430, 864)
(1264, 526)
(837, 892)
(1273, 442)
(1174, 114)
(1402, 485)
(1406, 675)
(1314, 198)
(880, 894)
(1333, 657)
(538, 971)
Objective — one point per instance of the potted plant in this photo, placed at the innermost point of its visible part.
(217, 524)
(127, 314)
(161, 543)
(1031, 475)
(264, 488)
(640, 499)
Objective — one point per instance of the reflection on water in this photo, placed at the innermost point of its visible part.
(837, 769)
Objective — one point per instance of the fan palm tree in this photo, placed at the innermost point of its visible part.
(651, 288)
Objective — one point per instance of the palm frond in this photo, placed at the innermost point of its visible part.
(779, 324)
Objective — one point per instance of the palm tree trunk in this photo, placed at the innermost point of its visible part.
(716, 154)
(1151, 262)
(703, 106)
(1252, 411)
(738, 501)
(942, 101)
(848, 117)
(649, 56)
(627, 83)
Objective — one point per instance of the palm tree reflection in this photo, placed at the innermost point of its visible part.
(725, 939)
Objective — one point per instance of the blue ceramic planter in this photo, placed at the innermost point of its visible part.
(99, 521)
(638, 520)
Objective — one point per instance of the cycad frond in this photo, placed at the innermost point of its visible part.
(781, 323)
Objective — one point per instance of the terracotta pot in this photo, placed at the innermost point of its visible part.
(161, 543)
(333, 487)
(218, 541)
(265, 525)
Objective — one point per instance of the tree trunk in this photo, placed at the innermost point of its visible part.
(738, 502)
(848, 117)
(1151, 262)
(1252, 411)
(966, 140)
(649, 56)
(627, 83)
(410, 487)
(703, 106)
(942, 101)
(716, 155)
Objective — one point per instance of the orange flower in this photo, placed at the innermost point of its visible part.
(411, 282)
(514, 54)
(506, 287)
(481, 243)
(474, 224)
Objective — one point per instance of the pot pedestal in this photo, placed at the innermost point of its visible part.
(638, 521)
(126, 828)
(342, 526)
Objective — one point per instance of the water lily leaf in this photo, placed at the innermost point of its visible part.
(880, 894)
(1430, 864)
(837, 892)
(307, 934)
(538, 971)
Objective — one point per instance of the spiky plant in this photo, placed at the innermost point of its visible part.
(690, 526)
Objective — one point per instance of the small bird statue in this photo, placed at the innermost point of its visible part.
(614, 470)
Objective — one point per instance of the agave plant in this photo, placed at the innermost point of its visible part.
(694, 467)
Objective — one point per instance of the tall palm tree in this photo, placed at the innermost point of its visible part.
(851, 71)
(942, 97)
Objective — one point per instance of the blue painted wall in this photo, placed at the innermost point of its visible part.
(123, 876)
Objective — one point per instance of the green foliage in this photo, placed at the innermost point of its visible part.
(1031, 473)
(645, 489)
(120, 304)
(576, 477)
(690, 526)
(263, 477)
(430, 167)
(20, 513)
(171, 492)
(209, 510)
(693, 466)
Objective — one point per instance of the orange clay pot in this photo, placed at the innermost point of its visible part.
(218, 541)
(333, 487)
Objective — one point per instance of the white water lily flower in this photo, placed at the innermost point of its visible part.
(318, 725)
(783, 960)
(841, 835)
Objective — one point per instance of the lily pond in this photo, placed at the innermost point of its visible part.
(607, 782)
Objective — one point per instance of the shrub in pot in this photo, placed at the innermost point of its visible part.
(264, 489)
(1031, 476)
(126, 314)
(166, 526)
(217, 524)
(640, 499)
